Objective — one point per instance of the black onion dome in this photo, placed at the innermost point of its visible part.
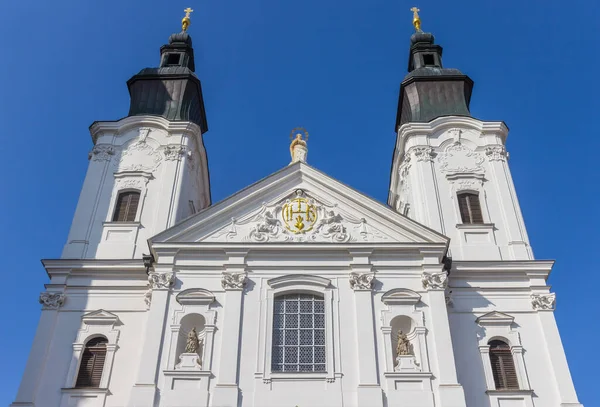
(429, 90)
(172, 90)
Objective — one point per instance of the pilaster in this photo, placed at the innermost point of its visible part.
(361, 281)
(51, 302)
(451, 393)
(144, 390)
(545, 304)
(233, 281)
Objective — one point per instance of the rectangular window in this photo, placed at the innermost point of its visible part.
(428, 60)
(126, 208)
(298, 334)
(470, 208)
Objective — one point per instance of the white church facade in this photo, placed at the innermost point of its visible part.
(297, 290)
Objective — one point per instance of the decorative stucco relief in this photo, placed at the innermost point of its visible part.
(161, 280)
(299, 219)
(148, 298)
(233, 281)
(52, 300)
(422, 153)
(175, 152)
(458, 158)
(131, 182)
(435, 281)
(361, 281)
(140, 156)
(496, 153)
(543, 301)
(102, 152)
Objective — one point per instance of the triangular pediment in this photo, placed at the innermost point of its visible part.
(99, 317)
(495, 318)
(299, 204)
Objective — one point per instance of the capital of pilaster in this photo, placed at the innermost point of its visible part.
(543, 302)
(161, 281)
(233, 280)
(361, 281)
(52, 300)
(435, 281)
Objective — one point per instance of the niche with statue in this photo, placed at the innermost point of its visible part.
(190, 343)
(403, 339)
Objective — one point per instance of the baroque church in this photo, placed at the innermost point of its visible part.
(297, 290)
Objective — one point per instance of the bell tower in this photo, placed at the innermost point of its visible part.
(148, 170)
(449, 170)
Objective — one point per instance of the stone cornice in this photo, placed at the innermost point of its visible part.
(529, 268)
(119, 126)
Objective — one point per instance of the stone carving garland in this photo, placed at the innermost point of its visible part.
(161, 280)
(459, 158)
(52, 300)
(324, 223)
(233, 280)
(174, 152)
(543, 301)
(361, 281)
(435, 281)
(423, 153)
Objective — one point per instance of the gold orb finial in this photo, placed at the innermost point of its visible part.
(416, 19)
(186, 21)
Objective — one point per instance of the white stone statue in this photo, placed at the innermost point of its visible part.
(193, 344)
(403, 345)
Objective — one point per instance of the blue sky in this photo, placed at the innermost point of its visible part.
(333, 67)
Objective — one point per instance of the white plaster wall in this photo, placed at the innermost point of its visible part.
(165, 160)
(429, 171)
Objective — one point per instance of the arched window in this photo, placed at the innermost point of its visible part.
(298, 333)
(92, 363)
(470, 208)
(126, 207)
(503, 366)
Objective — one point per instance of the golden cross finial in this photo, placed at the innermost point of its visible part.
(185, 22)
(416, 19)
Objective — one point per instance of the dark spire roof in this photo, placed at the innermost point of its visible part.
(430, 90)
(172, 90)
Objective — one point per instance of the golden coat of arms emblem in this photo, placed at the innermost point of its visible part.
(299, 214)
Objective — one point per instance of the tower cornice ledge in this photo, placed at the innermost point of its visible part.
(447, 122)
(122, 125)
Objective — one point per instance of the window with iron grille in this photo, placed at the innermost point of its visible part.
(470, 208)
(126, 208)
(92, 363)
(298, 333)
(503, 366)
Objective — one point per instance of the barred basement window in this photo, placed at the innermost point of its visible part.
(470, 208)
(92, 363)
(298, 333)
(503, 366)
(127, 205)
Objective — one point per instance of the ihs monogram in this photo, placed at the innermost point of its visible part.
(299, 215)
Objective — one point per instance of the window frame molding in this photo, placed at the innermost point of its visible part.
(126, 181)
(98, 323)
(469, 183)
(499, 326)
(290, 284)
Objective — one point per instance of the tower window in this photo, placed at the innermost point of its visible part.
(428, 60)
(127, 205)
(92, 363)
(298, 333)
(503, 366)
(470, 208)
(173, 59)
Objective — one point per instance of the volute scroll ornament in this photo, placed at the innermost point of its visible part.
(161, 280)
(52, 300)
(496, 153)
(233, 281)
(435, 281)
(361, 281)
(102, 152)
(543, 302)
